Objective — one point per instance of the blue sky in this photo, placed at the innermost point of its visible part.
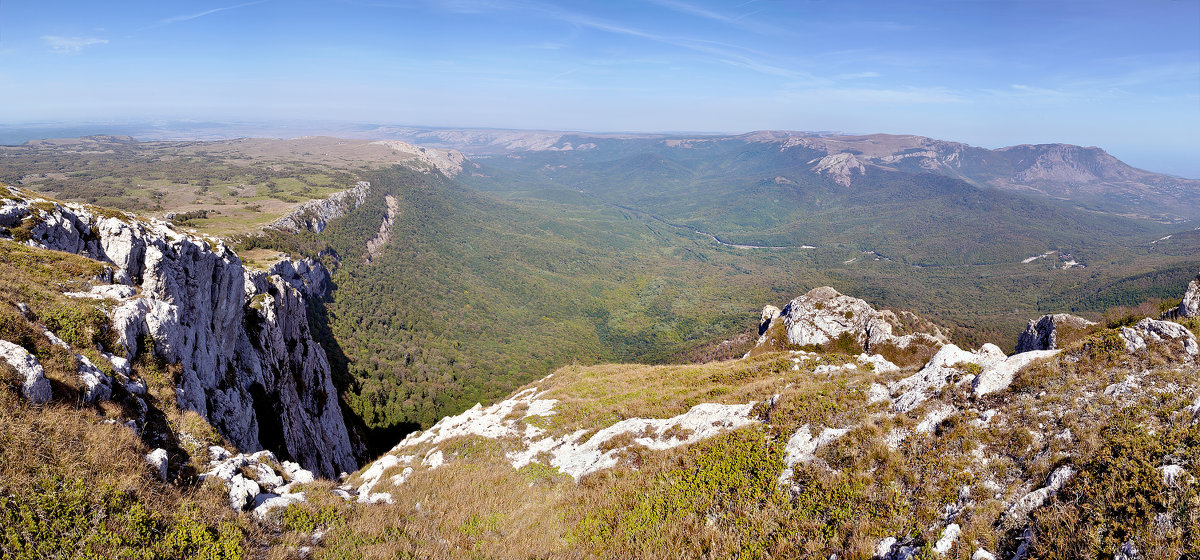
(1121, 75)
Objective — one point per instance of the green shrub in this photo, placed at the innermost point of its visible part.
(61, 518)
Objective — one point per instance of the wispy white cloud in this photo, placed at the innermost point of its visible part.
(857, 75)
(880, 96)
(71, 45)
(738, 21)
(186, 17)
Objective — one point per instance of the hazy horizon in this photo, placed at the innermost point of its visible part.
(1124, 76)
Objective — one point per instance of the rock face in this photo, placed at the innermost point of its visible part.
(314, 215)
(375, 245)
(1190, 306)
(1043, 333)
(823, 315)
(248, 361)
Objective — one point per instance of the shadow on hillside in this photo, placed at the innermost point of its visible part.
(367, 442)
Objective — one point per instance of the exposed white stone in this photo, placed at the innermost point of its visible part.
(295, 473)
(1189, 307)
(434, 459)
(998, 375)
(878, 393)
(802, 447)
(881, 364)
(401, 478)
(946, 541)
(1020, 509)
(314, 215)
(769, 313)
(372, 475)
(193, 298)
(1126, 386)
(241, 491)
(157, 460)
(111, 291)
(266, 502)
(1171, 475)
(578, 458)
(495, 421)
(943, 367)
(981, 554)
(823, 315)
(1169, 330)
(934, 417)
(884, 547)
(1042, 333)
(34, 384)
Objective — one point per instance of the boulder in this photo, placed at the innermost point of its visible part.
(157, 460)
(1152, 330)
(998, 375)
(823, 315)
(34, 384)
(241, 491)
(769, 313)
(1043, 332)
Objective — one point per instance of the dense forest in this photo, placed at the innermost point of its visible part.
(476, 294)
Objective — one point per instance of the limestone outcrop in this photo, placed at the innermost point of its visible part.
(823, 316)
(248, 362)
(1044, 332)
(34, 385)
(314, 215)
(1190, 306)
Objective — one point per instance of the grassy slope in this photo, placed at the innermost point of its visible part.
(72, 485)
(720, 498)
(236, 193)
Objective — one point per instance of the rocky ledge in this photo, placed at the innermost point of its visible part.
(248, 362)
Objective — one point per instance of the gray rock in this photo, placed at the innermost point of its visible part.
(266, 502)
(1190, 306)
(241, 338)
(938, 371)
(1042, 333)
(97, 386)
(1133, 340)
(157, 460)
(296, 474)
(946, 541)
(241, 491)
(1127, 552)
(769, 313)
(1168, 330)
(314, 215)
(1020, 509)
(998, 375)
(306, 275)
(1153, 330)
(34, 384)
(824, 315)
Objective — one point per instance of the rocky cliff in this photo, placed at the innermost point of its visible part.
(314, 215)
(248, 362)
